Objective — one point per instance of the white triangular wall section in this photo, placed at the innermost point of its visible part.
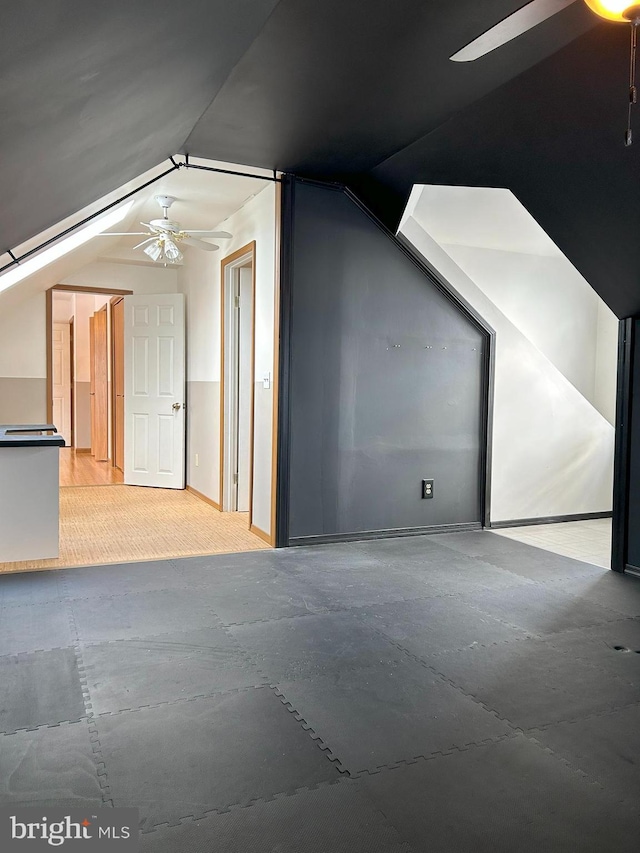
(552, 450)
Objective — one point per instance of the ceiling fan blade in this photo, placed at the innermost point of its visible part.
(511, 27)
(222, 235)
(122, 234)
(148, 240)
(199, 244)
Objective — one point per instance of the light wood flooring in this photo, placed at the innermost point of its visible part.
(126, 523)
(81, 469)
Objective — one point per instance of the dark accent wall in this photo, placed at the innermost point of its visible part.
(633, 445)
(386, 381)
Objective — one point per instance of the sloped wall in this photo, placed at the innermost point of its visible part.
(553, 438)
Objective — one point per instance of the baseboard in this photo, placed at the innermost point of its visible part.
(325, 539)
(82, 449)
(551, 519)
(261, 534)
(204, 498)
(632, 570)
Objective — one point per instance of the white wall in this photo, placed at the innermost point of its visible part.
(200, 281)
(552, 451)
(547, 299)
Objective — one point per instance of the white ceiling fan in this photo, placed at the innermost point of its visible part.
(164, 236)
(537, 11)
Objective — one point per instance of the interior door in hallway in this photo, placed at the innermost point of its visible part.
(99, 386)
(154, 412)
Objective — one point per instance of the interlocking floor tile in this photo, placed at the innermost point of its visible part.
(164, 668)
(605, 747)
(49, 767)
(25, 588)
(313, 645)
(182, 760)
(30, 628)
(389, 713)
(124, 617)
(332, 819)
(250, 592)
(39, 689)
(121, 578)
(506, 796)
(532, 683)
(540, 609)
(615, 647)
(434, 625)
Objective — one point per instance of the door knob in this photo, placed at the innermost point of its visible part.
(176, 407)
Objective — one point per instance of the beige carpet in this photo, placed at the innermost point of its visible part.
(116, 524)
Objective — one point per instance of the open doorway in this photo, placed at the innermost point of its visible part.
(237, 388)
(82, 351)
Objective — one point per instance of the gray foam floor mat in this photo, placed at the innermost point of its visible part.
(221, 751)
(332, 819)
(532, 683)
(502, 797)
(40, 689)
(49, 767)
(539, 609)
(118, 579)
(411, 664)
(385, 714)
(312, 645)
(432, 626)
(34, 628)
(124, 617)
(27, 588)
(605, 747)
(165, 668)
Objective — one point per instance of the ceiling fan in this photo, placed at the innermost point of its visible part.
(164, 236)
(537, 11)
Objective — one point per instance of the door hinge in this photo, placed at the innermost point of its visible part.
(237, 302)
(235, 479)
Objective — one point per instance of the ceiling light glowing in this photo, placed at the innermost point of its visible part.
(615, 10)
(26, 268)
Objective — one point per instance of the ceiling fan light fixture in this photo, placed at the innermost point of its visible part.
(171, 252)
(154, 250)
(615, 10)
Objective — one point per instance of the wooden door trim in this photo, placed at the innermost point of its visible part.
(72, 378)
(99, 291)
(69, 288)
(101, 347)
(112, 304)
(250, 248)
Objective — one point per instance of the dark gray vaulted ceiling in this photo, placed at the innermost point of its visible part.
(363, 91)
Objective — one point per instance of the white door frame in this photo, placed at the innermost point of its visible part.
(229, 376)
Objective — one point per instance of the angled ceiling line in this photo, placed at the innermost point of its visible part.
(189, 165)
(18, 259)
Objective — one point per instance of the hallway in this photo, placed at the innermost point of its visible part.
(116, 524)
(81, 469)
(458, 692)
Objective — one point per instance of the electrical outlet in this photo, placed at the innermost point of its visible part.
(197, 460)
(427, 489)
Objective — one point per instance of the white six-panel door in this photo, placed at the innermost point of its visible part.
(154, 411)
